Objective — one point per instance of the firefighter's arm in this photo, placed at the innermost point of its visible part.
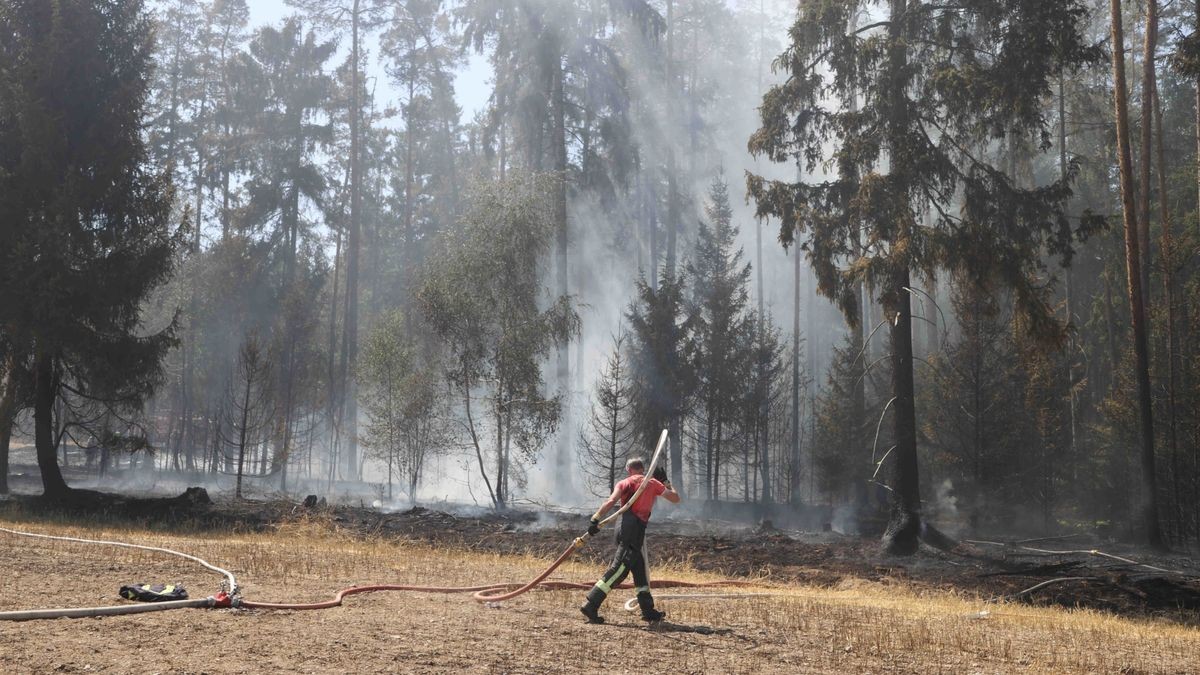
(670, 494)
(612, 500)
(594, 525)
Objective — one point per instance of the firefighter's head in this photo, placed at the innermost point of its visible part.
(635, 466)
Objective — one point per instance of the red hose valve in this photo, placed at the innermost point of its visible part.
(222, 599)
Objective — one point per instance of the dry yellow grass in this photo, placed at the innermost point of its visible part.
(857, 627)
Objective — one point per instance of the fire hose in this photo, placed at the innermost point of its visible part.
(500, 592)
(229, 595)
(224, 598)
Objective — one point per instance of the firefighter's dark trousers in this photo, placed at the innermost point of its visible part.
(629, 558)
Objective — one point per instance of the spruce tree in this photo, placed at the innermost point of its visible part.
(663, 380)
(85, 231)
(936, 85)
(722, 330)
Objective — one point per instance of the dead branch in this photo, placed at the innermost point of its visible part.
(1036, 571)
(1091, 552)
(1042, 539)
(1031, 589)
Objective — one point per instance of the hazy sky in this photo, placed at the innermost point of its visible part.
(472, 85)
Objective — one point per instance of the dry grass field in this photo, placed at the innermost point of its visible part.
(857, 626)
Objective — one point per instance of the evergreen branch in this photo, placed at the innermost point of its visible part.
(825, 54)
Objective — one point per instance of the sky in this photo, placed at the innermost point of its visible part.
(472, 85)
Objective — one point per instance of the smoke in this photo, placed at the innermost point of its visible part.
(703, 115)
(945, 508)
(845, 519)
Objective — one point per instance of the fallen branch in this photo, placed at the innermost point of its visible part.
(1038, 571)
(1102, 554)
(1092, 552)
(1041, 539)
(1031, 589)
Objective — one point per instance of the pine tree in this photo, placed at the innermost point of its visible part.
(421, 58)
(766, 352)
(1136, 237)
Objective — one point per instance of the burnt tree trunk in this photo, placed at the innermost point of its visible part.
(904, 524)
(45, 391)
(8, 399)
(1168, 261)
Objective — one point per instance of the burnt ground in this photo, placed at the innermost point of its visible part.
(1135, 583)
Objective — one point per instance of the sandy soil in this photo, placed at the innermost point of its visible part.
(884, 624)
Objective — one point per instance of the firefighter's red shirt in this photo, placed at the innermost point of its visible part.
(642, 507)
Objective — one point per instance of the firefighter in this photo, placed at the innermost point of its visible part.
(631, 537)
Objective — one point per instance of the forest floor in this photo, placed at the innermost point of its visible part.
(837, 605)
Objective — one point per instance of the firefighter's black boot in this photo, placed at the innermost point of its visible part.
(591, 608)
(646, 602)
(591, 612)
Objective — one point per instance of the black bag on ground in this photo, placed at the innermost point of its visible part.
(154, 592)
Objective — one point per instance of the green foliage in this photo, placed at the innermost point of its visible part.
(405, 401)
(844, 440)
(663, 380)
(281, 85)
(933, 91)
(722, 331)
(538, 41)
(975, 408)
(481, 297)
(85, 235)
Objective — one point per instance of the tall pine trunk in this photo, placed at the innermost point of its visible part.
(904, 525)
(672, 165)
(1063, 175)
(1168, 261)
(1133, 266)
(794, 474)
(761, 435)
(1149, 77)
(350, 345)
(559, 103)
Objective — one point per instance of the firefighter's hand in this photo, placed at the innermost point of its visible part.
(660, 475)
(593, 526)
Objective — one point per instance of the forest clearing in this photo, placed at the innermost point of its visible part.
(834, 606)
(879, 319)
